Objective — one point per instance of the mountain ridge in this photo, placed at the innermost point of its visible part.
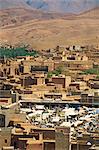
(63, 6)
(58, 6)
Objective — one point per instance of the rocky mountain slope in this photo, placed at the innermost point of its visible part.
(7, 4)
(63, 6)
(60, 6)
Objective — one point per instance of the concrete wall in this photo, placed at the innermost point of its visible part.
(49, 146)
(5, 137)
(34, 147)
(62, 137)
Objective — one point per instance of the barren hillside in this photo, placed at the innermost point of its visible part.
(45, 33)
(93, 14)
(18, 16)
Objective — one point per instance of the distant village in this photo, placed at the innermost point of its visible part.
(49, 99)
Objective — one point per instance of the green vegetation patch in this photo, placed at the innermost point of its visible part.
(91, 71)
(14, 52)
(56, 72)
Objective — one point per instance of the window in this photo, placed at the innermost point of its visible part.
(5, 140)
(61, 131)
